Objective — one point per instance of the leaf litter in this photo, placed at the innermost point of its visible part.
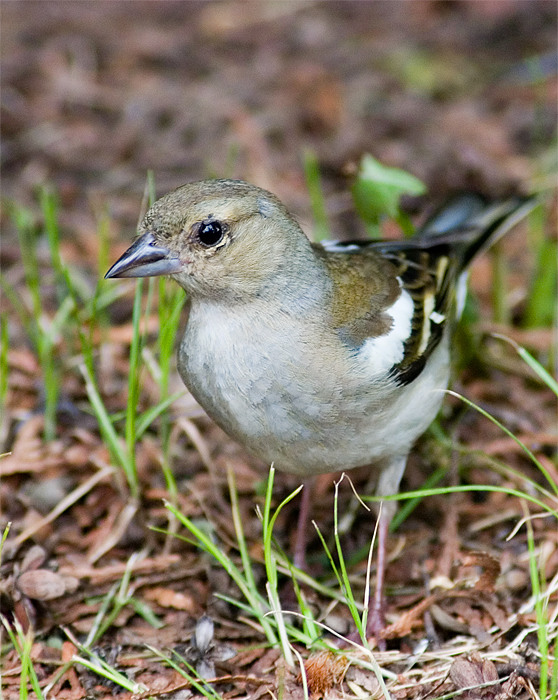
(89, 108)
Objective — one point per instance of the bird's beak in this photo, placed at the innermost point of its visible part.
(145, 259)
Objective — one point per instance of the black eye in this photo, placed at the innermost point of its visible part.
(211, 232)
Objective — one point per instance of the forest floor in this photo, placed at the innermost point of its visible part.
(94, 96)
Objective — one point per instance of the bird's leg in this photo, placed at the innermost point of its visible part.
(376, 621)
(299, 558)
(388, 484)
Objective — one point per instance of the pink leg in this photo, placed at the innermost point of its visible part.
(377, 606)
(388, 484)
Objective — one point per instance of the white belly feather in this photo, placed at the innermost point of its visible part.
(267, 387)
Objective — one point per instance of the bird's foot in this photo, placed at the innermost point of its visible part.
(376, 624)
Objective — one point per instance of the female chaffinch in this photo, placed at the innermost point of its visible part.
(315, 357)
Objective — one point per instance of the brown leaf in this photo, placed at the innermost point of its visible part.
(448, 621)
(33, 559)
(472, 672)
(167, 598)
(409, 619)
(490, 567)
(41, 584)
(70, 677)
(323, 671)
(28, 452)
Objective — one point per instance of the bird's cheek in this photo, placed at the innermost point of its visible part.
(187, 259)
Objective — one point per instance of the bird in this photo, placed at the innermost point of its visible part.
(316, 357)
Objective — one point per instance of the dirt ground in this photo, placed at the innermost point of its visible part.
(96, 94)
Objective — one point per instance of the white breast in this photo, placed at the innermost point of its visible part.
(307, 406)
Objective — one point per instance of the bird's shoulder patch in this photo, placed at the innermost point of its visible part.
(392, 301)
(364, 288)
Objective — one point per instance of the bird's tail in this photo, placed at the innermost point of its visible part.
(469, 220)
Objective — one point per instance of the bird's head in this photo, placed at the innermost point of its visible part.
(216, 238)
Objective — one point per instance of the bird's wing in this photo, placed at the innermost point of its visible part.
(428, 267)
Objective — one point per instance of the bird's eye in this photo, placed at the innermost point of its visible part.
(211, 232)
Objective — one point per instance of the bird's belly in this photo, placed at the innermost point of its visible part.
(298, 413)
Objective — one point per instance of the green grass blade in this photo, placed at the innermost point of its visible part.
(531, 362)
(147, 418)
(193, 677)
(538, 369)
(134, 391)
(509, 433)
(97, 665)
(171, 303)
(4, 368)
(117, 449)
(344, 574)
(541, 607)
(540, 305)
(22, 642)
(248, 591)
(464, 489)
(317, 200)
(239, 531)
(409, 506)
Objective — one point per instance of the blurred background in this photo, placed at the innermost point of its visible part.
(97, 95)
(460, 93)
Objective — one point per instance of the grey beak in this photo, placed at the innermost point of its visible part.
(144, 259)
